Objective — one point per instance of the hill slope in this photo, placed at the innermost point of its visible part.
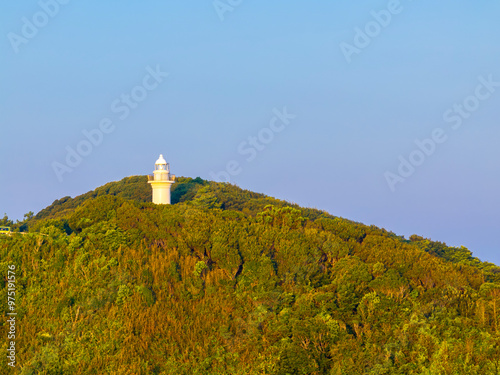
(227, 281)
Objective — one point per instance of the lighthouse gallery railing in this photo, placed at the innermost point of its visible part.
(162, 177)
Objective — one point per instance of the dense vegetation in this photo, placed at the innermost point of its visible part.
(226, 281)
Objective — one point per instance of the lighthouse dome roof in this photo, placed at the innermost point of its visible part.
(161, 160)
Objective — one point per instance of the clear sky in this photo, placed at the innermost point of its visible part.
(383, 112)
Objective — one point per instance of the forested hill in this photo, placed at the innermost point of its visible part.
(207, 194)
(197, 191)
(226, 281)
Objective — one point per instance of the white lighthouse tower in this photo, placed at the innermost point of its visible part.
(160, 181)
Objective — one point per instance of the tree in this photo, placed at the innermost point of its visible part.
(6, 222)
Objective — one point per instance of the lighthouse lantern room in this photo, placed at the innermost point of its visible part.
(160, 181)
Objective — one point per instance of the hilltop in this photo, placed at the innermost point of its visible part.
(227, 281)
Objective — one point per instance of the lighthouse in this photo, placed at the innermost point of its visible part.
(160, 181)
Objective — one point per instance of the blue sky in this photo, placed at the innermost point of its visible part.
(351, 117)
